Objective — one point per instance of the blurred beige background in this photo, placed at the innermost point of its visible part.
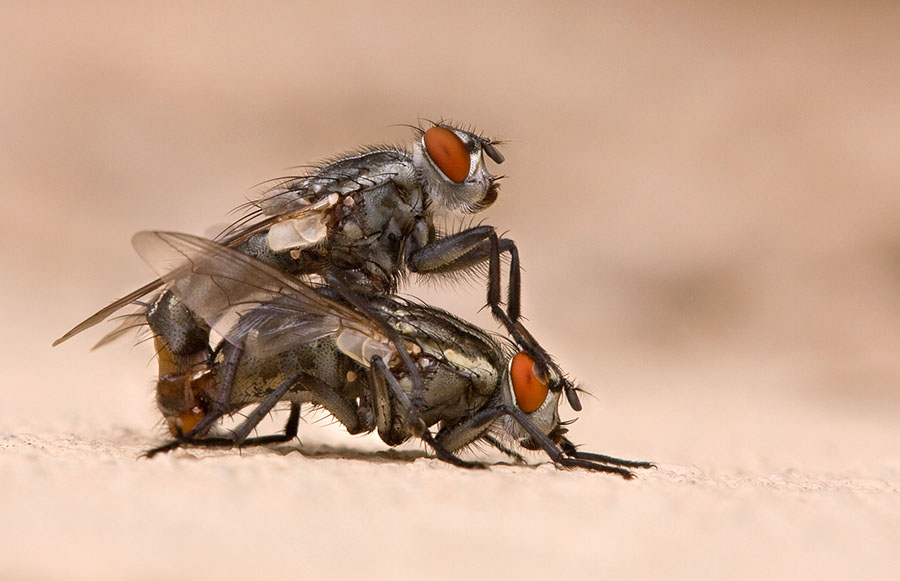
(706, 200)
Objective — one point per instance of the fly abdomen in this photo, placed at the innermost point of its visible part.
(183, 333)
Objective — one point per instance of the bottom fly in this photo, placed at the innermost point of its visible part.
(289, 341)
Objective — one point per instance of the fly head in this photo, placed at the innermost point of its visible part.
(450, 166)
(534, 392)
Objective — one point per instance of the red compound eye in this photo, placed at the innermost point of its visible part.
(530, 390)
(448, 152)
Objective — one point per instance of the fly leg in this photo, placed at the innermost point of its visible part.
(474, 427)
(289, 433)
(344, 411)
(388, 415)
(566, 456)
(569, 449)
(219, 408)
(504, 448)
(386, 384)
(239, 436)
(472, 247)
(326, 396)
(464, 250)
(417, 426)
(562, 457)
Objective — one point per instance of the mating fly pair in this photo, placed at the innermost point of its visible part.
(359, 223)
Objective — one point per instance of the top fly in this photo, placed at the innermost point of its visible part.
(369, 214)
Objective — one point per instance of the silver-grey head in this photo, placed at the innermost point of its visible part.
(450, 166)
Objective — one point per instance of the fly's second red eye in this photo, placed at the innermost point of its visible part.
(448, 152)
(530, 389)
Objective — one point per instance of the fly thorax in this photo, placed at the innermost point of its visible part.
(370, 235)
(405, 176)
(479, 370)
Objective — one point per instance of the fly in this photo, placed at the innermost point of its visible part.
(299, 343)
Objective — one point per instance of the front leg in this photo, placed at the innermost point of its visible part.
(476, 427)
(467, 249)
(472, 247)
(518, 458)
(385, 385)
(343, 288)
(569, 449)
(566, 456)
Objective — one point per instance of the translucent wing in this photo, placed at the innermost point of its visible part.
(108, 311)
(242, 298)
(291, 206)
(234, 238)
(130, 322)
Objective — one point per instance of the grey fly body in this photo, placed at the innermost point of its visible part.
(301, 343)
